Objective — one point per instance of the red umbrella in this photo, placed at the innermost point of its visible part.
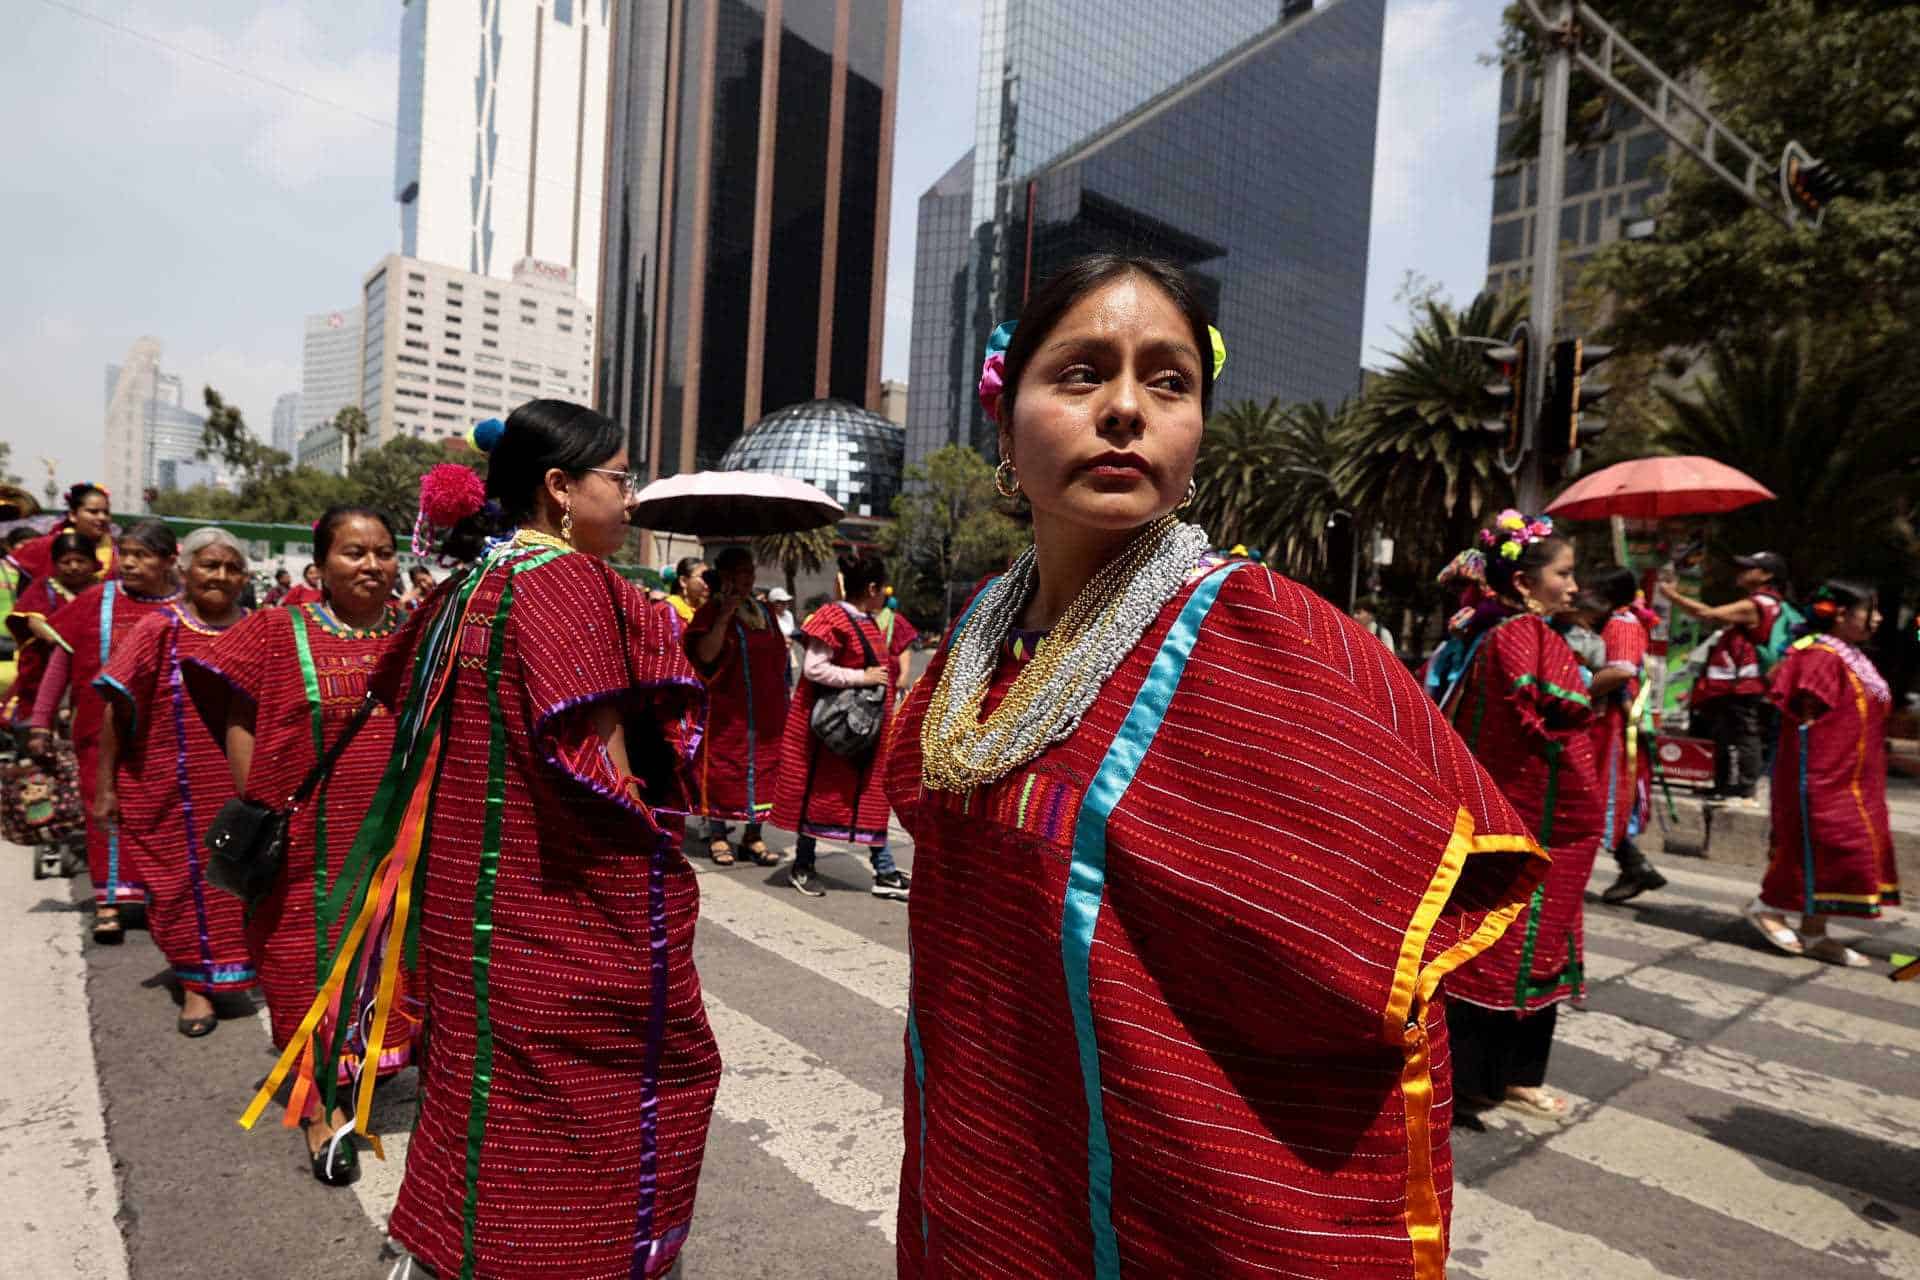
(1654, 488)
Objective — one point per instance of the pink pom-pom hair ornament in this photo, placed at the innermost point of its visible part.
(449, 493)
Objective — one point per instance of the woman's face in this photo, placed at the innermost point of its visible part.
(422, 580)
(1107, 416)
(739, 579)
(215, 576)
(1551, 586)
(694, 585)
(598, 503)
(93, 515)
(1857, 625)
(75, 570)
(360, 568)
(311, 575)
(143, 569)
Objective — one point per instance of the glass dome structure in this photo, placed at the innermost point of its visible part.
(852, 454)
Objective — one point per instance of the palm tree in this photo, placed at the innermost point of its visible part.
(1233, 474)
(1416, 454)
(1803, 426)
(810, 549)
(351, 423)
(1302, 497)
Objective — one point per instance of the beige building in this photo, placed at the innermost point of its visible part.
(446, 348)
(893, 401)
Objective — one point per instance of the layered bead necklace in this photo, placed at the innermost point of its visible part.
(958, 750)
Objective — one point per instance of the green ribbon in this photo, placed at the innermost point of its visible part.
(310, 680)
(1568, 695)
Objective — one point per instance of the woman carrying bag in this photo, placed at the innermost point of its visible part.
(833, 757)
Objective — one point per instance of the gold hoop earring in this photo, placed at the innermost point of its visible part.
(1193, 491)
(1006, 480)
(566, 526)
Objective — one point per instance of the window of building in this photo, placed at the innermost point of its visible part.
(490, 326)
(1533, 184)
(414, 328)
(1510, 89)
(1505, 243)
(450, 368)
(566, 312)
(1583, 172)
(407, 359)
(452, 335)
(490, 295)
(1611, 175)
(526, 366)
(417, 293)
(1641, 153)
(566, 328)
(454, 286)
(416, 345)
(1593, 221)
(1613, 205)
(1506, 193)
(528, 304)
(526, 320)
(1570, 224)
(416, 277)
(410, 392)
(450, 399)
(492, 375)
(415, 311)
(525, 382)
(447, 417)
(489, 342)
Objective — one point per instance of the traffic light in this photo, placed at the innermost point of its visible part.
(1807, 184)
(1509, 388)
(1570, 422)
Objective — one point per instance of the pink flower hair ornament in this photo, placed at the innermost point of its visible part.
(1512, 532)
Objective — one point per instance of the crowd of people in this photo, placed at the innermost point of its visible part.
(1221, 912)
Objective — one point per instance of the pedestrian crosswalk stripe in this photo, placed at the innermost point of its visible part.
(1759, 1193)
(1810, 1095)
(1493, 1239)
(1802, 1017)
(869, 969)
(839, 1137)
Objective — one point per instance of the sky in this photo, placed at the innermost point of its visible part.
(209, 173)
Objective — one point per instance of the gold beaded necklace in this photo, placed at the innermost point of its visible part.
(952, 733)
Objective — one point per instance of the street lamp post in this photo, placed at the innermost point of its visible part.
(1353, 553)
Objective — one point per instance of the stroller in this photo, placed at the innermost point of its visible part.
(40, 805)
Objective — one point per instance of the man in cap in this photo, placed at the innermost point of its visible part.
(1732, 695)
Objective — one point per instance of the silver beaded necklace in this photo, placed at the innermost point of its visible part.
(1091, 658)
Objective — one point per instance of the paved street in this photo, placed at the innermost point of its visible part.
(1740, 1114)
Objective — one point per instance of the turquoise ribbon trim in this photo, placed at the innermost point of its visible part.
(1086, 887)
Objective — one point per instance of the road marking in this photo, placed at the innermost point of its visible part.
(1728, 888)
(869, 969)
(1492, 1240)
(58, 1195)
(840, 1138)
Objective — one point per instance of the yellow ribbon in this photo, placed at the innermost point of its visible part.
(1638, 709)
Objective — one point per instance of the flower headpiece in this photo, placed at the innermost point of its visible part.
(1824, 605)
(993, 370)
(1513, 532)
(1469, 566)
(449, 493)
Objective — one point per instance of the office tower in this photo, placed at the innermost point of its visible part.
(152, 438)
(330, 362)
(1606, 190)
(502, 133)
(747, 202)
(286, 422)
(446, 348)
(1236, 139)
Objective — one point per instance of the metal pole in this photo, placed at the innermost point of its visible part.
(1353, 558)
(1557, 73)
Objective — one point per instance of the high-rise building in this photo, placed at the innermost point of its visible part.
(330, 362)
(1607, 188)
(1235, 138)
(446, 348)
(152, 438)
(751, 160)
(286, 422)
(502, 133)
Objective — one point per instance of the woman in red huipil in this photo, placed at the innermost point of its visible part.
(89, 514)
(90, 627)
(167, 778)
(571, 1072)
(74, 568)
(1832, 842)
(1524, 712)
(1194, 855)
(1618, 752)
(825, 795)
(736, 645)
(275, 692)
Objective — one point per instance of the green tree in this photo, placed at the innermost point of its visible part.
(351, 423)
(948, 531)
(1800, 422)
(6, 464)
(807, 550)
(1415, 456)
(227, 437)
(1264, 478)
(388, 478)
(1303, 497)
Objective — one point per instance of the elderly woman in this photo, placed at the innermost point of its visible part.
(1194, 855)
(163, 777)
(90, 627)
(1832, 840)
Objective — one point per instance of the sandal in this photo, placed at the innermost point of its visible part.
(1778, 935)
(721, 852)
(1834, 951)
(194, 1028)
(762, 855)
(1538, 1101)
(107, 927)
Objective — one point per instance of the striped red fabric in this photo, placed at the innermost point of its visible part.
(596, 1088)
(172, 780)
(1301, 852)
(1626, 642)
(1524, 711)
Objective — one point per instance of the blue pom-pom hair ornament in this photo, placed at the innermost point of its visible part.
(486, 434)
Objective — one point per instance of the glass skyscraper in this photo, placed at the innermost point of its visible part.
(750, 169)
(1235, 138)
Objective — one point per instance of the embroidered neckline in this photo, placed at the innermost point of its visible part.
(539, 538)
(388, 624)
(171, 598)
(192, 622)
(1861, 666)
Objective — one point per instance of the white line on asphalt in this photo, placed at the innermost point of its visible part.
(867, 968)
(1493, 1240)
(840, 1138)
(1773, 1086)
(58, 1196)
(1730, 888)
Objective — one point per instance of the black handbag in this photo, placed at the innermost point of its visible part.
(247, 843)
(848, 721)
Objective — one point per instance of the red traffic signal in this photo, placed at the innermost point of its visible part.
(1807, 184)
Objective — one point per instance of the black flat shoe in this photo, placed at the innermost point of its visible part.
(194, 1028)
(1632, 884)
(338, 1163)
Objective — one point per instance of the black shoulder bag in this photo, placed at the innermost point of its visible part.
(848, 721)
(247, 843)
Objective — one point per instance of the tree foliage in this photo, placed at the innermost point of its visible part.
(6, 464)
(1264, 479)
(806, 551)
(948, 532)
(351, 423)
